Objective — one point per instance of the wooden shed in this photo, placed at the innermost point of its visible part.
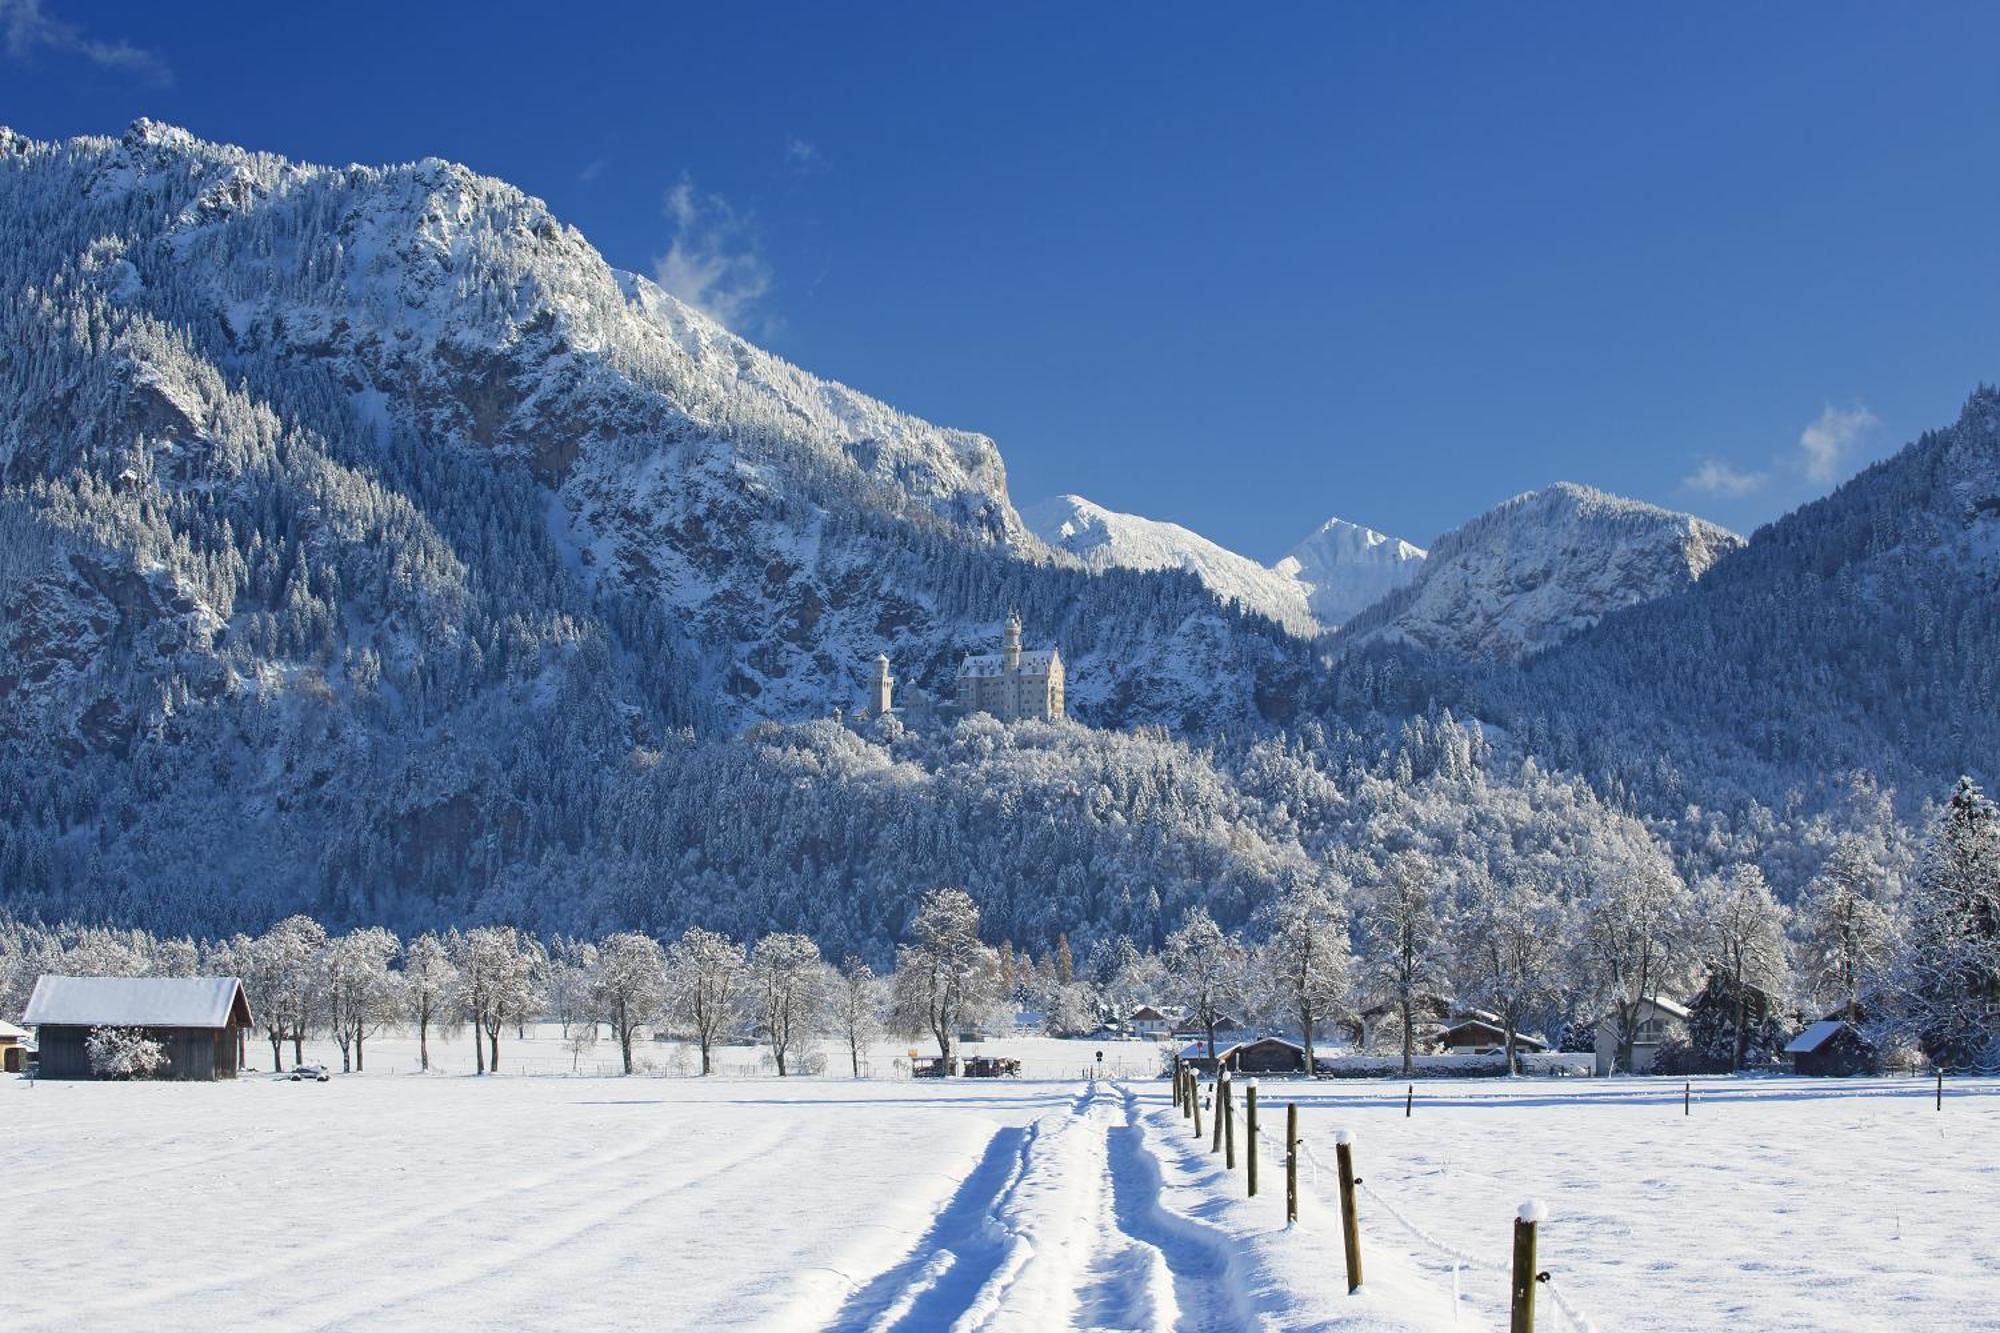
(195, 1018)
(13, 1049)
(1263, 1055)
(1831, 1047)
(1482, 1034)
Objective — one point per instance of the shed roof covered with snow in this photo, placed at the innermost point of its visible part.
(140, 1002)
(1814, 1037)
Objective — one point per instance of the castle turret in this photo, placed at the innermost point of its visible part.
(882, 688)
(1010, 643)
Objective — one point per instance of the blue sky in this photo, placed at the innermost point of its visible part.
(1240, 271)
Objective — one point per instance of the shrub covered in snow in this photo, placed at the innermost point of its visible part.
(124, 1053)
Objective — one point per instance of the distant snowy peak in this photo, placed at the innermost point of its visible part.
(1106, 539)
(1343, 568)
(1540, 568)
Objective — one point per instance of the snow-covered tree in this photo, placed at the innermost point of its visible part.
(789, 981)
(1631, 938)
(944, 974)
(1304, 959)
(1204, 970)
(429, 983)
(706, 977)
(284, 983)
(1950, 968)
(1845, 933)
(1401, 925)
(123, 1053)
(1509, 934)
(499, 982)
(357, 988)
(628, 986)
(857, 1007)
(1741, 927)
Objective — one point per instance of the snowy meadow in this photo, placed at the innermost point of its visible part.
(541, 1199)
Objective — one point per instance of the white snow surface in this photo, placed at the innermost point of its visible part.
(1335, 572)
(397, 1200)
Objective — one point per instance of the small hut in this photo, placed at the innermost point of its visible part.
(195, 1020)
(13, 1048)
(1831, 1047)
(1262, 1055)
(1481, 1033)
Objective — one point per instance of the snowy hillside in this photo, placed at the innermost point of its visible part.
(1105, 539)
(1344, 568)
(1539, 568)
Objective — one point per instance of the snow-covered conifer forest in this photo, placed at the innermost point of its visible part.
(370, 549)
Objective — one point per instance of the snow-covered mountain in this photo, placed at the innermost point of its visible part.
(1334, 573)
(1105, 539)
(1537, 569)
(1344, 568)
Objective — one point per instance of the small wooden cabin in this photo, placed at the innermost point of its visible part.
(13, 1049)
(1262, 1055)
(1479, 1034)
(1831, 1047)
(195, 1018)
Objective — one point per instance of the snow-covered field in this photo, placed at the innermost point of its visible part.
(389, 1200)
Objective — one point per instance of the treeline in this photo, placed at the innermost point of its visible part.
(1541, 951)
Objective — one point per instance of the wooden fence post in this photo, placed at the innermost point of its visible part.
(1291, 1163)
(1194, 1101)
(1687, 1098)
(1525, 1277)
(1218, 1106)
(1409, 1100)
(1940, 1088)
(1350, 1222)
(1250, 1135)
(1180, 1088)
(1229, 1125)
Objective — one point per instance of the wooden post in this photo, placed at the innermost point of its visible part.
(1180, 1088)
(1523, 1291)
(1350, 1222)
(1229, 1125)
(1687, 1098)
(1409, 1100)
(1250, 1135)
(1940, 1090)
(1194, 1101)
(1291, 1163)
(1219, 1107)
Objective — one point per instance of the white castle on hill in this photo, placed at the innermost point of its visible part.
(1010, 684)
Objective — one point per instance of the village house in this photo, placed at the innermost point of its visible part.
(1257, 1055)
(1655, 1020)
(1148, 1021)
(197, 1020)
(1477, 1032)
(1832, 1047)
(13, 1049)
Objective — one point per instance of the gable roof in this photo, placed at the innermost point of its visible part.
(1815, 1036)
(161, 1002)
(1036, 662)
(8, 1032)
(1492, 1033)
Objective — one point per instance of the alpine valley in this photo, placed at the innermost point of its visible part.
(370, 547)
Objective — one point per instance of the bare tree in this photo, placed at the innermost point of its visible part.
(428, 984)
(500, 973)
(629, 985)
(790, 982)
(1205, 969)
(285, 960)
(1847, 936)
(1402, 927)
(1743, 927)
(357, 990)
(857, 1007)
(944, 973)
(705, 981)
(1508, 952)
(1305, 958)
(1632, 939)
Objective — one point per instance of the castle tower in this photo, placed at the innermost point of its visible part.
(1010, 645)
(882, 687)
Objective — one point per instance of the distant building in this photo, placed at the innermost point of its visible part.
(13, 1048)
(1260, 1055)
(196, 1020)
(1654, 1021)
(1832, 1046)
(1481, 1033)
(1149, 1021)
(1012, 684)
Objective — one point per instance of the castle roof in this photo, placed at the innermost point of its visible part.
(1040, 662)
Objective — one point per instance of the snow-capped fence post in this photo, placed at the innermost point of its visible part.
(1250, 1135)
(1180, 1088)
(1291, 1163)
(1219, 1105)
(1940, 1087)
(1350, 1221)
(1194, 1100)
(1229, 1123)
(1525, 1276)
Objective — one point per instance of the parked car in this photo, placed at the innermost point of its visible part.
(992, 1066)
(307, 1073)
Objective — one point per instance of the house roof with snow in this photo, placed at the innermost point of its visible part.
(1815, 1036)
(8, 1032)
(1478, 1031)
(1146, 1013)
(149, 1002)
(1039, 662)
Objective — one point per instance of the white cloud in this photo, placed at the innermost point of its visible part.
(713, 263)
(28, 29)
(1717, 478)
(1827, 443)
(592, 170)
(803, 157)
